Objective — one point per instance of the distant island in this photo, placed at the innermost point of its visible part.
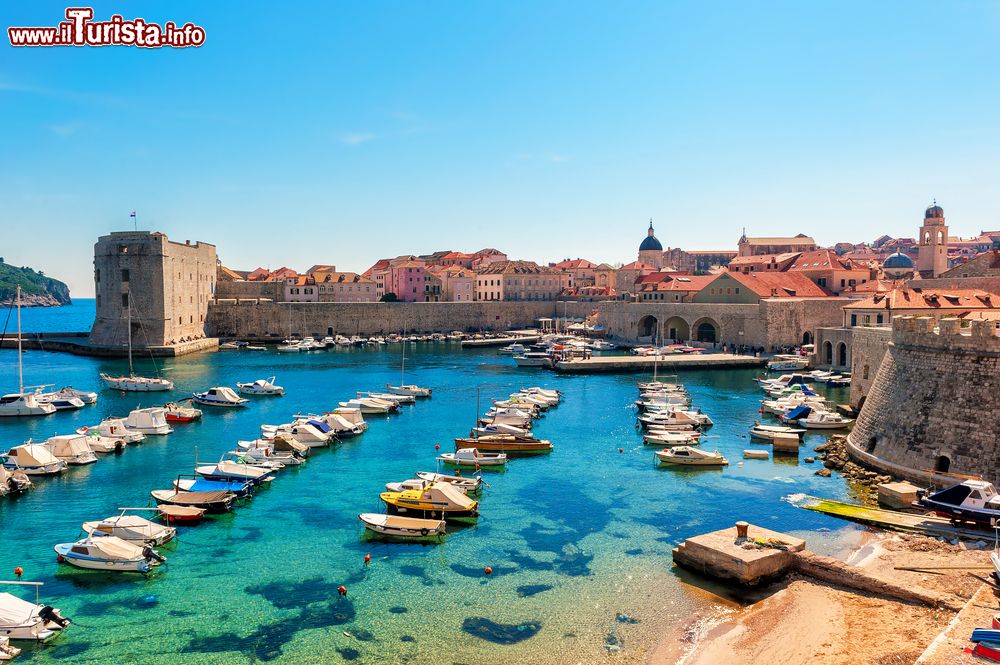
(37, 290)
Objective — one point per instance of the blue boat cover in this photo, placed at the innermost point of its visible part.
(320, 425)
(985, 635)
(800, 411)
(236, 486)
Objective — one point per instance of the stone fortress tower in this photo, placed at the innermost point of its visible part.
(168, 286)
(651, 251)
(932, 259)
(932, 405)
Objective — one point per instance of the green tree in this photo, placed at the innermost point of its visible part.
(389, 297)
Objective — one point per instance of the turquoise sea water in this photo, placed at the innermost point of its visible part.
(76, 317)
(574, 538)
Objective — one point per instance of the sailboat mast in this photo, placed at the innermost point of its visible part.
(128, 301)
(402, 366)
(20, 366)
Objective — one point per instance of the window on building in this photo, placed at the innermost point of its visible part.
(854, 319)
(878, 318)
(124, 274)
(180, 320)
(821, 281)
(124, 300)
(97, 275)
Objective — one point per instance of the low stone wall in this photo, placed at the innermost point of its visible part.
(270, 320)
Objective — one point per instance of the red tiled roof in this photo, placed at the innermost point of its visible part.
(820, 259)
(575, 264)
(780, 284)
(920, 298)
(637, 265)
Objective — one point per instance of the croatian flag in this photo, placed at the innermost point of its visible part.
(132, 214)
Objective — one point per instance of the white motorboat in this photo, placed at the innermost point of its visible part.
(508, 416)
(114, 428)
(688, 456)
(825, 420)
(33, 459)
(219, 396)
(13, 481)
(534, 359)
(346, 422)
(230, 469)
(415, 484)
(132, 529)
(23, 620)
(471, 457)
(670, 419)
(470, 485)
(85, 396)
(24, 404)
(313, 433)
(544, 392)
(290, 347)
(500, 429)
(104, 444)
(697, 416)
(108, 553)
(370, 405)
(179, 412)
(415, 391)
(786, 363)
(399, 526)
(260, 458)
(668, 438)
(768, 432)
(390, 397)
(151, 420)
(260, 387)
(278, 445)
(73, 448)
(261, 453)
(61, 402)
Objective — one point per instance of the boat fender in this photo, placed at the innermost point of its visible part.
(60, 558)
(368, 558)
(18, 572)
(488, 570)
(342, 590)
(424, 532)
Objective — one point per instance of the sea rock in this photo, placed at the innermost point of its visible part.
(500, 633)
(809, 460)
(823, 473)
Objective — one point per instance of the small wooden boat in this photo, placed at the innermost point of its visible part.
(987, 651)
(669, 438)
(177, 412)
(176, 514)
(231, 467)
(505, 443)
(471, 485)
(398, 526)
(34, 460)
(755, 454)
(108, 553)
(240, 488)
(441, 499)
(131, 528)
(389, 397)
(415, 391)
(152, 420)
(23, 620)
(471, 457)
(114, 428)
(688, 456)
(825, 420)
(213, 501)
(73, 448)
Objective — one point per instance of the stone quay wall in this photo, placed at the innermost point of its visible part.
(868, 348)
(771, 324)
(253, 320)
(225, 289)
(932, 406)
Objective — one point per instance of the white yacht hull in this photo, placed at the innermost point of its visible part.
(137, 384)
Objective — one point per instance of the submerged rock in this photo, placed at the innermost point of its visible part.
(526, 590)
(500, 633)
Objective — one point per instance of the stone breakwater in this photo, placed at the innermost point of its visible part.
(835, 457)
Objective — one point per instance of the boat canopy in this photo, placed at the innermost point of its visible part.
(31, 454)
(800, 411)
(453, 495)
(116, 548)
(15, 611)
(320, 425)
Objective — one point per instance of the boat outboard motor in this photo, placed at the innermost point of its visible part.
(50, 614)
(152, 555)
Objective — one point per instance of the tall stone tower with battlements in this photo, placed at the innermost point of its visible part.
(167, 285)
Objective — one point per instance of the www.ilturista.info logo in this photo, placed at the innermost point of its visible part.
(81, 30)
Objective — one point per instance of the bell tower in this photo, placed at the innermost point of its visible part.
(932, 259)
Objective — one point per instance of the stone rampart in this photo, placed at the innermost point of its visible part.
(932, 406)
(258, 290)
(868, 347)
(270, 320)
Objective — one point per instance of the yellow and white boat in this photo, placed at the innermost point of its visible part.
(432, 500)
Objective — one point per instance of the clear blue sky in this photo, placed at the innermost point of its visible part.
(339, 132)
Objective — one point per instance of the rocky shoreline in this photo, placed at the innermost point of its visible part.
(36, 300)
(834, 455)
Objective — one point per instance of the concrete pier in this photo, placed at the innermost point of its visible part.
(664, 363)
(526, 338)
(722, 554)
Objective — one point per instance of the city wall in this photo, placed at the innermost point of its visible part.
(868, 347)
(932, 405)
(270, 320)
(237, 289)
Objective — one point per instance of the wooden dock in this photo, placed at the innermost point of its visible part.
(929, 525)
(665, 363)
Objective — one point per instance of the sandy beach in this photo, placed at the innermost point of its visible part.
(803, 621)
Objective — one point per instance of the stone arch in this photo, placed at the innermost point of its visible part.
(828, 352)
(842, 354)
(806, 338)
(927, 238)
(676, 328)
(872, 442)
(941, 238)
(647, 326)
(942, 464)
(706, 329)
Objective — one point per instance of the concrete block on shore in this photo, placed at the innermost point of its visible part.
(896, 495)
(723, 554)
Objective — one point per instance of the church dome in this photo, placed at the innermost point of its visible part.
(898, 261)
(650, 243)
(934, 212)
